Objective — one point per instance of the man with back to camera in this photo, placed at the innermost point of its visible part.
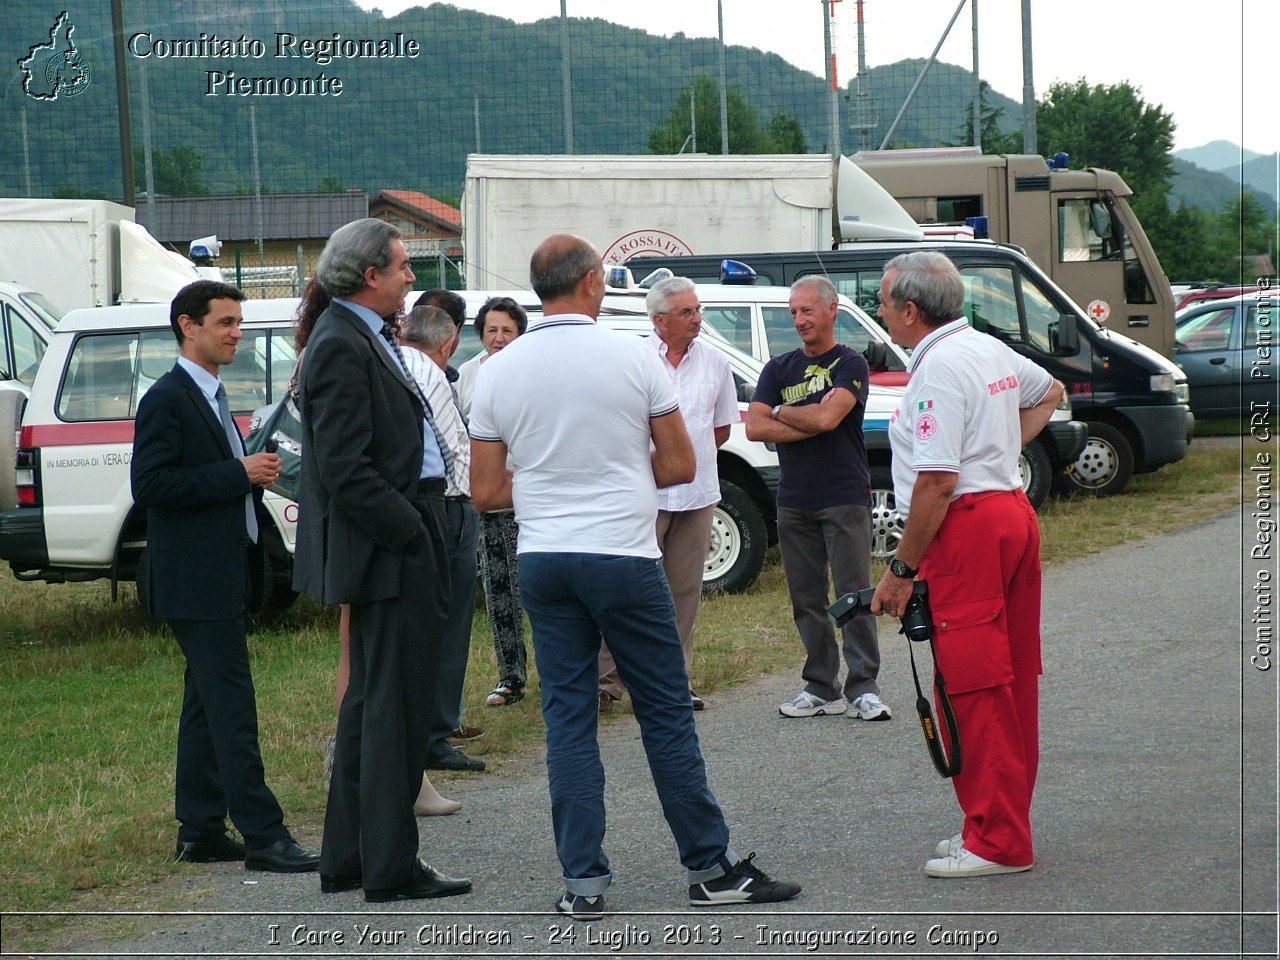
(428, 336)
(190, 470)
(811, 402)
(577, 407)
(972, 535)
(370, 534)
(709, 406)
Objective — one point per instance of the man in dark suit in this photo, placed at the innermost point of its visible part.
(371, 525)
(190, 471)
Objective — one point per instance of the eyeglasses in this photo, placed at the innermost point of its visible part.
(688, 313)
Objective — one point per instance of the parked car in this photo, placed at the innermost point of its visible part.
(1184, 297)
(26, 322)
(1227, 349)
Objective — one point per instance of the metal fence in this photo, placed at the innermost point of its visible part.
(254, 101)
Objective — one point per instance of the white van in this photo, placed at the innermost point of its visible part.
(75, 519)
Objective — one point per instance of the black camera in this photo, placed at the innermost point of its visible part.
(917, 622)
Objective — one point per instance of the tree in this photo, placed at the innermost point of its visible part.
(993, 139)
(178, 172)
(672, 135)
(786, 134)
(1113, 128)
(330, 184)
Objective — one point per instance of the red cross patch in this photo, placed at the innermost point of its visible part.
(926, 427)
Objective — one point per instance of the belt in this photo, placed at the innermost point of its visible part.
(431, 486)
(458, 498)
(970, 499)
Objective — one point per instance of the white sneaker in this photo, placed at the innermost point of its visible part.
(807, 705)
(869, 706)
(949, 847)
(965, 863)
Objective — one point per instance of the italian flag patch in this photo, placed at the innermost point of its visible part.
(924, 405)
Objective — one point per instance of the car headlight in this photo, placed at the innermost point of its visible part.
(1162, 383)
(1182, 392)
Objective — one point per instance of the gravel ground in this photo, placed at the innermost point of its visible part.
(1155, 812)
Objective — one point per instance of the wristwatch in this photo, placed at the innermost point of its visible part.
(900, 569)
(773, 414)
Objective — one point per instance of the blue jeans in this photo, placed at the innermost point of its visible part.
(572, 600)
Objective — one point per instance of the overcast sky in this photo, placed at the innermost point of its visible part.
(1206, 64)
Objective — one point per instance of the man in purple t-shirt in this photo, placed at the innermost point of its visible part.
(810, 402)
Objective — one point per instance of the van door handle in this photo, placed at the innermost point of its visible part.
(1217, 361)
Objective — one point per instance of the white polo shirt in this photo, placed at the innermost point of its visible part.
(704, 384)
(572, 402)
(959, 413)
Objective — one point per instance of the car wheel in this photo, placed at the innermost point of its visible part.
(1104, 465)
(738, 542)
(278, 594)
(886, 522)
(1036, 472)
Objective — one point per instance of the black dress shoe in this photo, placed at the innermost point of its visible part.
(215, 848)
(283, 856)
(426, 882)
(339, 883)
(456, 760)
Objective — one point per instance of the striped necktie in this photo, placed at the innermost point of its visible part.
(389, 335)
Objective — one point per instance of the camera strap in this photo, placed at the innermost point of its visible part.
(932, 738)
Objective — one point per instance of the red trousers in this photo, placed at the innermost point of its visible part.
(983, 571)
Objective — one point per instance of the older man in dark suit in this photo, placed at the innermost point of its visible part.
(190, 471)
(370, 534)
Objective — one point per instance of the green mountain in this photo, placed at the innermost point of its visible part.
(1217, 155)
(1197, 187)
(479, 82)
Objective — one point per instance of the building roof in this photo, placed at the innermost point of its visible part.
(285, 216)
(421, 208)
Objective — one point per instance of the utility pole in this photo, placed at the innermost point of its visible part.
(829, 42)
(977, 82)
(122, 104)
(566, 80)
(724, 90)
(866, 121)
(1028, 85)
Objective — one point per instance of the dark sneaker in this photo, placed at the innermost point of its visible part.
(578, 907)
(745, 883)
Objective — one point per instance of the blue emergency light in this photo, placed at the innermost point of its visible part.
(735, 272)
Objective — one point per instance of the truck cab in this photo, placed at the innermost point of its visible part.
(1076, 225)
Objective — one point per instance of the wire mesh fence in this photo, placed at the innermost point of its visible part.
(284, 119)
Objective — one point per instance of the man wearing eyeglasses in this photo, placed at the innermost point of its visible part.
(709, 405)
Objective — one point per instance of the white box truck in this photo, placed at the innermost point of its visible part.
(634, 206)
(86, 253)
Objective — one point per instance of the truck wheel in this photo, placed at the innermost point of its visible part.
(886, 523)
(1036, 472)
(738, 542)
(1104, 465)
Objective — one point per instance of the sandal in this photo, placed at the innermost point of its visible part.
(505, 694)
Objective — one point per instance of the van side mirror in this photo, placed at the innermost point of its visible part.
(1064, 336)
(877, 355)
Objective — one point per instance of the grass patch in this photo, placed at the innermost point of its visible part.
(90, 693)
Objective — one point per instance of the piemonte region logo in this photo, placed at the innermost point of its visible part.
(59, 61)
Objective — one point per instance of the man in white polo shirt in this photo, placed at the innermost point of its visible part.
(576, 409)
(709, 406)
(971, 405)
